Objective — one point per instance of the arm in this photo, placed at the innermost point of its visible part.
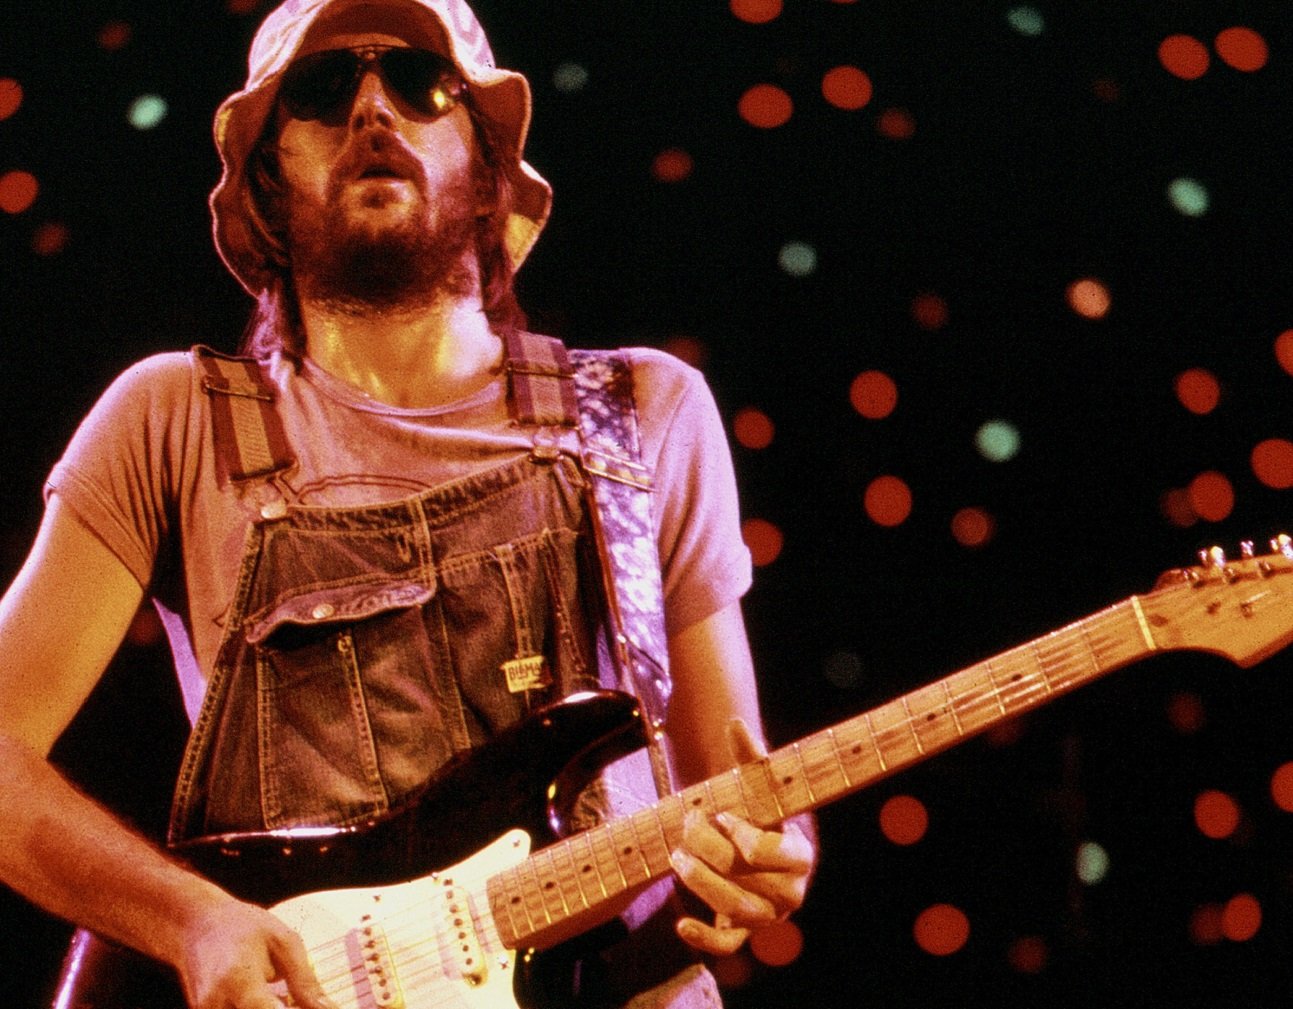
(60, 623)
(749, 877)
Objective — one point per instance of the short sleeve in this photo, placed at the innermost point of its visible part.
(119, 472)
(705, 563)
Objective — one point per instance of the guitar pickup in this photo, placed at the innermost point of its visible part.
(379, 966)
(468, 957)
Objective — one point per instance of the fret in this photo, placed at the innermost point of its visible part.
(911, 724)
(508, 899)
(884, 765)
(1041, 665)
(804, 775)
(628, 851)
(821, 768)
(996, 690)
(951, 707)
(549, 888)
(576, 872)
(591, 862)
(932, 722)
(605, 852)
(839, 760)
(531, 891)
(895, 735)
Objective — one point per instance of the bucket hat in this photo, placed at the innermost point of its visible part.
(448, 26)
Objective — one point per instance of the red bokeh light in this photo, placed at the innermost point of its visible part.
(766, 106)
(756, 12)
(1089, 298)
(1272, 461)
(753, 428)
(1282, 787)
(764, 540)
(1284, 350)
(1242, 48)
(115, 35)
(874, 395)
(929, 311)
(904, 819)
(778, 944)
(672, 165)
(50, 239)
(941, 929)
(888, 501)
(18, 191)
(10, 97)
(1176, 508)
(1241, 918)
(1205, 925)
(847, 88)
(896, 124)
(1186, 713)
(1184, 56)
(1211, 496)
(1216, 814)
(1198, 390)
(972, 527)
(1029, 954)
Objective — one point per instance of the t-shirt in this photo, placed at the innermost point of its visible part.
(141, 473)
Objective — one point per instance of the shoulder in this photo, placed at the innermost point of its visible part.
(153, 381)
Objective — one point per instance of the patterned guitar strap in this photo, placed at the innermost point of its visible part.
(590, 391)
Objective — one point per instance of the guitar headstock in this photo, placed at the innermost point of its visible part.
(1240, 608)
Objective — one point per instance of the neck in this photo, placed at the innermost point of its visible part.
(416, 355)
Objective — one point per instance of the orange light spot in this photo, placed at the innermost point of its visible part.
(10, 97)
(687, 349)
(778, 944)
(896, 124)
(1184, 56)
(114, 35)
(1273, 463)
(49, 239)
(1242, 48)
(1282, 787)
(1211, 496)
(1186, 713)
(941, 929)
(764, 540)
(847, 88)
(1216, 814)
(1029, 954)
(766, 106)
(753, 428)
(929, 311)
(888, 501)
(1284, 350)
(757, 12)
(874, 395)
(972, 527)
(18, 191)
(1205, 925)
(1198, 390)
(1089, 298)
(1241, 918)
(904, 819)
(672, 165)
(1176, 508)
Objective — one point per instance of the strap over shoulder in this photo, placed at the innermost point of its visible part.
(249, 438)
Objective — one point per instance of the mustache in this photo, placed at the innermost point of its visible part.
(379, 151)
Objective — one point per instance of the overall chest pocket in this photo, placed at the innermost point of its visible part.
(350, 713)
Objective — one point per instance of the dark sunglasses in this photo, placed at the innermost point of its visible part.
(323, 85)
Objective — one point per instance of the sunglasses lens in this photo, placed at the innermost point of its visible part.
(316, 86)
(423, 79)
(320, 86)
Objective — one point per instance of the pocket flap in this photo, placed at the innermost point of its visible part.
(337, 604)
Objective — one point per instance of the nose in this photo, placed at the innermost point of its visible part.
(372, 105)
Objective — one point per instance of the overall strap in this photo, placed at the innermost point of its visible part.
(593, 391)
(249, 439)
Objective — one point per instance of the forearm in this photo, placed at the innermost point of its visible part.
(67, 854)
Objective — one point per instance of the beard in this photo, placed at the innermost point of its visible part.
(357, 268)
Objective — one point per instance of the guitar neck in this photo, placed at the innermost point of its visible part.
(556, 892)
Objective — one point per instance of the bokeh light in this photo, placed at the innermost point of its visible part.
(1282, 787)
(887, 501)
(847, 88)
(1186, 712)
(18, 191)
(904, 820)
(672, 165)
(1176, 508)
(1029, 954)
(570, 77)
(766, 106)
(757, 12)
(1188, 196)
(10, 97)
(1216, 814)
(764, 539)
(1241, 918)
(1089, 298)
(941, 929)
(1184, 56)
(874, 395)
(1091, 863)
(896, 124)
(1242, 49)
(798, 259)
(1026, 21)
(686, 348)
(1284, 350)
(843, 669)
(1198, 390)
(50, 238)
(115, 35)
(753, 428)
(1272, 461)
(1205, 925)
(777, 944)
(973, 527)
(147, 112)
(929, 311)
(1211, 496)
(997, 441)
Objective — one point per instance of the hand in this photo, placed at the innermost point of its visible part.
(748, 876)
(240, 956)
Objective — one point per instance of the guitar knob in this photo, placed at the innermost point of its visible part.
(1246, 548)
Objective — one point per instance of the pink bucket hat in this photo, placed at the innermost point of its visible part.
(500, 96)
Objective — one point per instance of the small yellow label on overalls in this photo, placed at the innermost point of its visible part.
(527, 673)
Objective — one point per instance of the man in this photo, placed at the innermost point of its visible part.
(406, 574)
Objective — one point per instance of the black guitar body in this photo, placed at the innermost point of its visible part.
(526, 777)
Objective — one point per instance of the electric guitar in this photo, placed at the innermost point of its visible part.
(443, 902)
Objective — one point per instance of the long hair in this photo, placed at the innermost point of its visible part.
(275, 322)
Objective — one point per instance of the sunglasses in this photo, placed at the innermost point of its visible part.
(323, 85)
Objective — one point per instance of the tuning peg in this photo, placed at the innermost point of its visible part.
(1212, 557)
(1247, 549)
(1283, 544)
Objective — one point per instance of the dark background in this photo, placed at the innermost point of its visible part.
(1023, 174)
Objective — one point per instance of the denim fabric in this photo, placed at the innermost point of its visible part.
(366, 645)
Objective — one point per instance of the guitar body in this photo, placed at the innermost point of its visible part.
(396, 883)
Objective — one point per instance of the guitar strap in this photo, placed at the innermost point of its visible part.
(589, 391)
